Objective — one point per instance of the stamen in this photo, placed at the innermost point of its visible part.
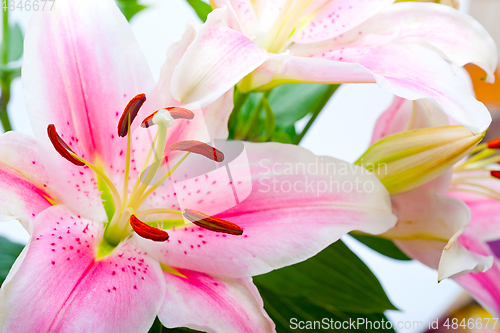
(130, 113)
(200, 148)
(175, 112)
(61, 147)
(494, 144)
(495, 173)
(212, 223)
(147, 231)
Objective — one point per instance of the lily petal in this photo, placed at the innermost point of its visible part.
(454, 34)
(78, 292)
(484, 222)
(485, 287)
(24, 183)
(213, 304)
(82, 87)
(214, 116)
(405, 115)
(295, 209)
(227, 57)
(336, 17)
(459, 258)
(428, 229)
(407, 70)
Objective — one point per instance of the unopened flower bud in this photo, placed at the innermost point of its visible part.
(406, 160)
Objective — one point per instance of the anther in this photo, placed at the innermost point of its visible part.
(175, 112)
(200, 148)
(495, 173)
(61, 147)
(130, 112)
(494, 144)
(212, 223)
(147, 231)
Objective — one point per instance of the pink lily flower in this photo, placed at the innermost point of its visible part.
(110, 249)
(408, 48)
(462, 204)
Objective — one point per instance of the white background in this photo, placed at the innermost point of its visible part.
(342, 130)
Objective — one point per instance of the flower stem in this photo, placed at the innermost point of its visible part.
(253, 118)
(5, 77)
(239, 100)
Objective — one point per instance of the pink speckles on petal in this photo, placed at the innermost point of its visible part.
(333, 20)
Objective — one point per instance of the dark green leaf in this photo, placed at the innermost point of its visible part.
(129, 8)
(9, 251)
(288, 312)
(16, 41)
(201, 8)
(159, 328)
(335, 277)
(382, 246)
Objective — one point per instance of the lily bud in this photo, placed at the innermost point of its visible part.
(406, 160)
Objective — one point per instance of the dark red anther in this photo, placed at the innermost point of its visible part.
(495, 173)
(130, 112)
(61, 147)
(175, 111)
(212, 223)
(147, 231)
(494, 144)
(199, 148)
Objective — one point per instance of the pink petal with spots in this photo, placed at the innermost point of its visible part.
(218, 58)
(291, 214)
(81, 67)
(59, 286)
(24, 185)
(409, 71)
(213, 304)
(336, 17)
(455, 35)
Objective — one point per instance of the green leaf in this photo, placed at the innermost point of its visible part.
(129, 8)
(335, 277)
(292, 102)
(382, 246)
(281, 136)
(201, 8)
(16, 42)
(9, 251)
(288, 312)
